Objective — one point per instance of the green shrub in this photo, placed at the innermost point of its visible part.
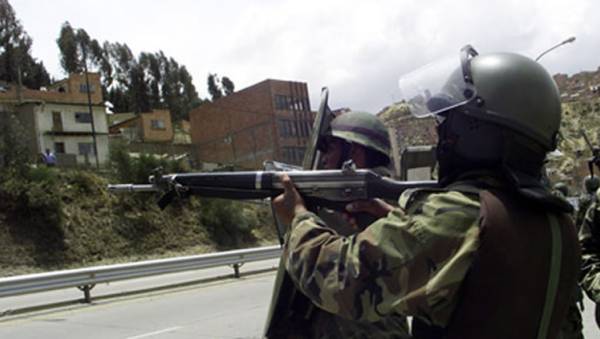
(137, 170)
(226, 222)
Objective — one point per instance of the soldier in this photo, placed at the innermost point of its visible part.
(590, 185)
(491, 254)
(589, 237)
(362, 138)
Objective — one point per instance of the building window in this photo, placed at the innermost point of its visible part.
(83, 117)
(85, 148)
(83, 88)
(281, 102)
(57, 122)
(59, 147)
(157, 124)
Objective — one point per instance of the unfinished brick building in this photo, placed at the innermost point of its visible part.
(270, 120)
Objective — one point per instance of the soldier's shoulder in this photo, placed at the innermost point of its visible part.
(467, 196)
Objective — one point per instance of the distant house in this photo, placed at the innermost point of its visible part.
(58, 118)
(270, 120)
(155, 126)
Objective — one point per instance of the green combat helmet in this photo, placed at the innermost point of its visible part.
(591, 184)
(362, 128)
(505, 89)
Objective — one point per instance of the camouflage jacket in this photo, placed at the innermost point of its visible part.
(589, 237)
(411, 262)
(583, 203)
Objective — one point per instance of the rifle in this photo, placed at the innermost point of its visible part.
(595, 159)
(325, 188)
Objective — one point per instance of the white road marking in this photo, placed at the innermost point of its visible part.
(171, 329)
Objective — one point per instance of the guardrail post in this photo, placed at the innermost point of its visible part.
(87, 296)
(236, 269)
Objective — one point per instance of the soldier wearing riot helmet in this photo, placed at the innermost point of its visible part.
(498, 117)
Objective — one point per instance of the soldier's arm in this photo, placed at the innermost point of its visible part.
(589, 237)
(407, 264)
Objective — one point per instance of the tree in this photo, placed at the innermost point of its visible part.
(67, 45)
(214, 88)
(219, 87)
(15, 48)
(228, 86)
(150, 81)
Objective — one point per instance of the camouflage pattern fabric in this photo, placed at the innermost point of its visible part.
(411, 262)
(327, 325)
(589, 237)
(585, 200)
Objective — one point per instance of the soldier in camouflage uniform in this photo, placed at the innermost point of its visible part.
(362, 138)
(590, 185)
(589, 236)
(491, 254)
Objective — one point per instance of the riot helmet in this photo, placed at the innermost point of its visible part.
(494, 110)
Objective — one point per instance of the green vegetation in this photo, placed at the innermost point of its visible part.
(52, 218)
(570, 165)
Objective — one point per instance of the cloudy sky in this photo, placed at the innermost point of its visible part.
(356, 48)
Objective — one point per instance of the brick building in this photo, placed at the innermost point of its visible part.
(155, 126)
(270, 120)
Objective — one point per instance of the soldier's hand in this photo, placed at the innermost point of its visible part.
(375, 207)
(288, 204)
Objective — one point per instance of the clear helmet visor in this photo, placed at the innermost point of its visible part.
(437, 87)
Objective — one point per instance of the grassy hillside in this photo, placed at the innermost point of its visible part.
(570, 163)
(52, 219)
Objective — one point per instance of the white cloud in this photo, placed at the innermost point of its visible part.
(357, 48)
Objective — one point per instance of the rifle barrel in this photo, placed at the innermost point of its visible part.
(133, 188)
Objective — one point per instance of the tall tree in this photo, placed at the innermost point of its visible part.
(69, 52)
(152, 80)
(228, 86)
(15, 52)
(214, 87)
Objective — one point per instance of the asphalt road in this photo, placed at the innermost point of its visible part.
(224, 308)
(229, 308)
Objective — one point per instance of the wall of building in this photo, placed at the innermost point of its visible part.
(72, 146)
(252, 125)
(153, 132)
(68, 116)
(73, 131)
(236, 129)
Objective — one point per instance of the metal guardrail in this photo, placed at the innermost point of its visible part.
(86, 278)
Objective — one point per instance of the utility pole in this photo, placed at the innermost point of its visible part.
(569, 40)
(89, 97)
